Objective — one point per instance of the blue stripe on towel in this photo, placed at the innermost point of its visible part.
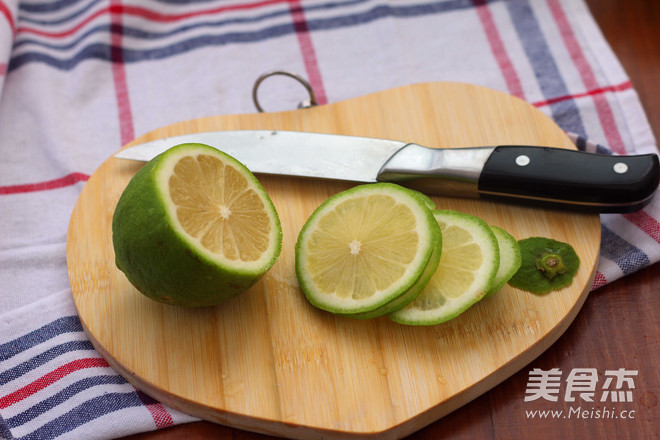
(66, 324)
(48, 355)
(628, 257)
(103, 51)
(564, 113)
(51, 402)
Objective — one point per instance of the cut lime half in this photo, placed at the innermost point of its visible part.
(194, 227)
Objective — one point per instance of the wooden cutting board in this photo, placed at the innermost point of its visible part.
(268, 361)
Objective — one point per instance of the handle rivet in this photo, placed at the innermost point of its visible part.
(522, 160)
(620, 167)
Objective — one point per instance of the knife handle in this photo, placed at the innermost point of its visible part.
(551, 177)
(592, 182)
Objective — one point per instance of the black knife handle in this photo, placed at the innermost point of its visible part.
(594, 182)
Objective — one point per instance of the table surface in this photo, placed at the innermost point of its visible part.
(618, 327)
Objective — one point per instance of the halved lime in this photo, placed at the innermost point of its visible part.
(510, 258)
(194, 227)
(366, 247)
(468, 264)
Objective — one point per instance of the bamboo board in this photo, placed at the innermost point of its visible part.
(268, 361)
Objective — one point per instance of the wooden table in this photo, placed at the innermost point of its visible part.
(618, 327)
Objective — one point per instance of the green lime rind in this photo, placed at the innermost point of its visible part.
(410, 294)
(510, 259)
(530, 278)
(431, 307)
(424, 198)
(363, 307)
(160, 259)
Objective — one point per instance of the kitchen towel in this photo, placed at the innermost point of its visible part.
(81, 78)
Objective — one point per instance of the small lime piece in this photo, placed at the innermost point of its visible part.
(367, 250)
(468, 264)
(510, 258)
(194, 227)
(547, 265)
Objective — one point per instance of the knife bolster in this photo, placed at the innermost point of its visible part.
(450, 171)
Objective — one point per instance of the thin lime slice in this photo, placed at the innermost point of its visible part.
(468, 264)
(510, 258)
(412, 293)
(364, 248)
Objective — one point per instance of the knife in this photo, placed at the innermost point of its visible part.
(535, 175)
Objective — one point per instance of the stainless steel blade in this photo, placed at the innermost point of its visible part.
(327, 156)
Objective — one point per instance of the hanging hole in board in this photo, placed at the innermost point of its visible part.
(310, 102)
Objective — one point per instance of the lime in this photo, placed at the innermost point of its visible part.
(510, 258)
(547, 264)
(426, 199)
(367, 250)
(410, 294)
(194, 227)
(467, 268)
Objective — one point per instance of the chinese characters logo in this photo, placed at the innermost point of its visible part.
(581, 383)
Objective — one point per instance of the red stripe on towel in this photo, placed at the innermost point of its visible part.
(308, 52)
(599, 281)
(603, 109)
(49, 379)
(598, 91)
(646, 223)
(144, 13)
(121, 85)
(499, 51)
(4, 10)
(67, 180)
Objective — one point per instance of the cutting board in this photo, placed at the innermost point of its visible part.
(268, 361)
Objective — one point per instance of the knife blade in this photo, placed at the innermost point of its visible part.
(535, 175)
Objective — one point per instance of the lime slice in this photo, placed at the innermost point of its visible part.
(426, 199)
(510, 258)
(366, 247)
(547, 265)
(468, 264)
(194, 227)
(410, 294)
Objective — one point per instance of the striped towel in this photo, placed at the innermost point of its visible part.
(53, 383)
(80, 78)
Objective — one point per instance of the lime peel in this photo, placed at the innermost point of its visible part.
(510, 259)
